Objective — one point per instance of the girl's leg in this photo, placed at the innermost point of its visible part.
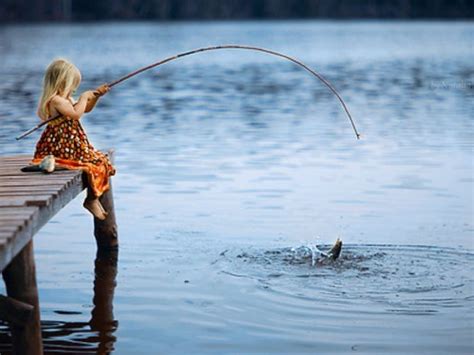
(93, 205)
(102, 207)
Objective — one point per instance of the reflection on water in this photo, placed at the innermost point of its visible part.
(93, 337)
(103, 320)
(243, 152)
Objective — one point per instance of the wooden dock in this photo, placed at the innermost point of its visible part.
(27, 202)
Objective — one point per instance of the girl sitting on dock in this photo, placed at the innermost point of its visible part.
(65, 139)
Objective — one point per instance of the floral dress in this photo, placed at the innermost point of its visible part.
(67, 141)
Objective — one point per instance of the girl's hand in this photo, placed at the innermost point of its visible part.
(88, 95)
(102, 90)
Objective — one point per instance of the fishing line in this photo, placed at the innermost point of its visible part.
(205, 49)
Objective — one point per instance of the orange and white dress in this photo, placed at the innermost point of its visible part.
(66, 139)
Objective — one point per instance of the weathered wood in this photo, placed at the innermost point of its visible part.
(8, 228)
(8, 220)
(15, 171)
(50, 178)
(13, 185)
(10, 189)
(20, 281)
(27, 202)
(47, 193)
(20, 210)
(14, 311)
(105, 232)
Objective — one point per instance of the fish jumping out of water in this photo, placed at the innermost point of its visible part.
(335, 251)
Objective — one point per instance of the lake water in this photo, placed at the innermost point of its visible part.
(228, 160)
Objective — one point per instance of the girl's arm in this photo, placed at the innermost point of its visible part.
(101, 90)
(66, 108)
(91, 103)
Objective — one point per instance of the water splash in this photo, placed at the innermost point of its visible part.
(302, 253)
(383, 273)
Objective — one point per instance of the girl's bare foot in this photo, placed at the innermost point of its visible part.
(102, 208)
(93, 206)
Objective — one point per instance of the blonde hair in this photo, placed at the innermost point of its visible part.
(61, 78)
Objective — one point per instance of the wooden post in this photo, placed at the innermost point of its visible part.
(105, 231)
(20, 282)
(14, 311)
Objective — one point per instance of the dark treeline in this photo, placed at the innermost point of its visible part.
(87, 10)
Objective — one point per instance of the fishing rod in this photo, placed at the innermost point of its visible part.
(205, 49)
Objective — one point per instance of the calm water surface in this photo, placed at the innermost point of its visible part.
(227, 161)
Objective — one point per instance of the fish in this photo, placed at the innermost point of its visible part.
(335, 251)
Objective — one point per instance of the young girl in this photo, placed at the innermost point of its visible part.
(65, 139)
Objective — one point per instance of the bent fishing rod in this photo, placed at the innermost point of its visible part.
(205, 49)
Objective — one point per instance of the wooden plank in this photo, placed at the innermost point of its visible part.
(14, 223)
(46, 192)
(25, 200)
(18, 169)
(36, 181)
(25, 193)
(28, 192)
(7, 169)
(35, 174)
(14, 157)
(18, 158)
(34, 185)
(7, 210)
(13, 202)
(6, 235)
(40, 175)
(37, 185)
(29, 200)
(6, 225)
(11, 189)
(14, 162)
(21, 194)
(10, 217)
(48, 189)
(28, 186)
(9, 228)
(55, 175)
(4, 242)
(16, 165)
(36, 177)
